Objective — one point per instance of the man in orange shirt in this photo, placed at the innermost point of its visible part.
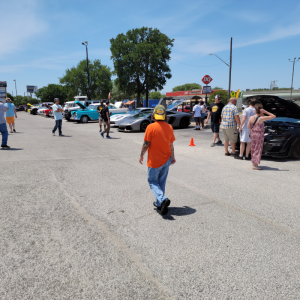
(158, 140)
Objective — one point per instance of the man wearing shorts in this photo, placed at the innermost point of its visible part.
(197, 114)
(215, 111)
(230, 120)
(10, 115)
(244, 131)
(101, 122)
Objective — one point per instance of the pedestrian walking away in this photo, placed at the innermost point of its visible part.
(230, 121)
(256, 125)
(101, 122)
(57, 112)
(197, 114)
(106, 119)
(11, 114)
(158, 140)
(3, 127)
(203, 110)
(245, 132)
(214, 113)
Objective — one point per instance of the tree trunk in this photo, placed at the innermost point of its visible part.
(147, 96)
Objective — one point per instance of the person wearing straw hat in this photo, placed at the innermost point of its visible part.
(158, 140)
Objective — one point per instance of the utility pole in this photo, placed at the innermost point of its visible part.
(230, 69)
(229, 65)
(87, 67)
(16, 91)
(293, 61)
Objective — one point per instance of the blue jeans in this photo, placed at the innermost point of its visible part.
(3, 130)
(157, 178)
(58, 124)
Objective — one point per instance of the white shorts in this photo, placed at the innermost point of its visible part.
(245, 135)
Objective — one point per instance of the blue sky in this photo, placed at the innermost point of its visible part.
(40, 39)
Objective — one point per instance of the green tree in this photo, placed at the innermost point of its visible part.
(224, 95)
(187, 87)
(217, 88)
(12, 98)
(51, 91)
(156, 95)
(76, 83)
(140, 60)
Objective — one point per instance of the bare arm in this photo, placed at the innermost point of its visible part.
(243, 122)
(107, 115)
(266, 118)
(208, 116)
(173, 154)
(144, 150)
(237, 118)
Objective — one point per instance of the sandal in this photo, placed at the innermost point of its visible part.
(256, 168)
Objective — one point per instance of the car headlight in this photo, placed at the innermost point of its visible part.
(75, 115)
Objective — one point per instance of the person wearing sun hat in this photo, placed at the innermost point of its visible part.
(158, 140)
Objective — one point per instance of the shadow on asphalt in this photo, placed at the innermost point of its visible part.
(271, 169)
(15, 149)
(178, 211)
(64, 136)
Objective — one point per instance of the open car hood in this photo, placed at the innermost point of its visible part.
(281, 108)
(80, 105)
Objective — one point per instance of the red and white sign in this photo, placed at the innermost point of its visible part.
(206, 79)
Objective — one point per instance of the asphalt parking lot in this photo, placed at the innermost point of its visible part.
(77, 220)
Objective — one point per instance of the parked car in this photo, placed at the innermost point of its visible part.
(116, 119)
(85, 114)
(186, 109)
(140, 121)
(72, 106)
(21, 108)
(282, 134)
(42, 108)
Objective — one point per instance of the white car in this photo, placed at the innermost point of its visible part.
(115, 119)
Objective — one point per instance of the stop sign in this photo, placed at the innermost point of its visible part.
(206, 79)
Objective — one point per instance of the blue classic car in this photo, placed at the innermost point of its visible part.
(85, 114)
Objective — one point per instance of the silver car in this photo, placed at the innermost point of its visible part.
(139, 122)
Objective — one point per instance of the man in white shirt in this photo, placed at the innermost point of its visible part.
(57, 112)
(197, 114)
(244, 131)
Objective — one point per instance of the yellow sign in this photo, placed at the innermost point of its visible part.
(237, 94)
(232, 95)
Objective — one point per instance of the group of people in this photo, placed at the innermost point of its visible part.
(8, 113)
(251, 128)
(102, 109)
(199, 114)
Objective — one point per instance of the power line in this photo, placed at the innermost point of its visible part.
(194, 65)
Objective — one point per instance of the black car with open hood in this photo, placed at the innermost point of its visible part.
(282, 134)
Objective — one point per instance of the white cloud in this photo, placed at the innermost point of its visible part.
(19, 24)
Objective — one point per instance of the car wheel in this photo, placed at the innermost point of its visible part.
(295, 149)
(184, 122)
(84, 119)
(144, 125)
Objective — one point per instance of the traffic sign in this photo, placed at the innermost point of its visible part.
(206, 89)
(206, 79)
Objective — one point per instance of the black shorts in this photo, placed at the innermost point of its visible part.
(215, 127)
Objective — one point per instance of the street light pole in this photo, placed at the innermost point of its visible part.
(16, 90)
(293, 61)
(87, 66)
(229, 65)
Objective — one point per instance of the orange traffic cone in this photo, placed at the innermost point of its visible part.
(192, 143)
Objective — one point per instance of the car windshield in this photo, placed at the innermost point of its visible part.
(92, 107)
(141, 115)
(174, 103)
(135, 111)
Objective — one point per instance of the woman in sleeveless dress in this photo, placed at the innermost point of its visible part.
(256, 124)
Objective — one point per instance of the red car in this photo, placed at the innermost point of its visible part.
(186, 109)
(45, 112)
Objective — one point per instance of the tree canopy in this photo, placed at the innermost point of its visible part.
(76, 83)
(187, 87)
(156, 95)
(51, 91)
(217, 88)
(140, 60)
